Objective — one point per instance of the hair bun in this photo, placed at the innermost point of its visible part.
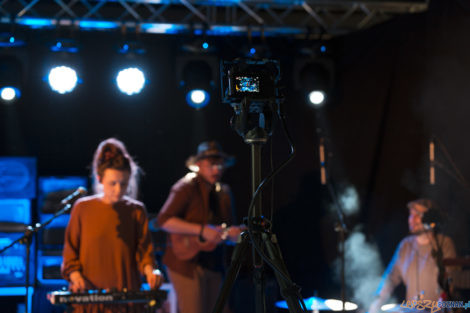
(112, 154)
(108, 155)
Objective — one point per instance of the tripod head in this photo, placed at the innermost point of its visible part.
(251, 88)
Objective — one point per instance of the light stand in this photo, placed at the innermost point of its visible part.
(340, 226)
(253, 121)
(341, 229)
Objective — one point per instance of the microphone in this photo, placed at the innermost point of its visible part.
(429, 226)
(432, 174)
(81, 191)
(322, 162)
(432, 219)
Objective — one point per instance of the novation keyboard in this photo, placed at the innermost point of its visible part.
(152, 297)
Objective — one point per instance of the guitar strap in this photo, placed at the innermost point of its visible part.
(212, 260)
(213, 205)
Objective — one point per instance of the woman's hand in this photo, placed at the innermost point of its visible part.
(77, 283)
(153, 276)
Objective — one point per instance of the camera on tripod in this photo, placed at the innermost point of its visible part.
(251, 88)
(255, 80)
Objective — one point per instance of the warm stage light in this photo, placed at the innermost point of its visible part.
(8, 93)
(316, 98)
(130, 81)
(197, 98)
(62, 79)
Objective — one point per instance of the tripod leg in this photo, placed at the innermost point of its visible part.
(238, 254)
(258, 276)
(259, 282)
(289, 291)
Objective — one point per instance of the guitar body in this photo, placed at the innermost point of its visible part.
(186, 247)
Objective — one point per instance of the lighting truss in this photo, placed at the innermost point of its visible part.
(213, 17)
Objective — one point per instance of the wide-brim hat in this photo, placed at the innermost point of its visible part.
(210, 149)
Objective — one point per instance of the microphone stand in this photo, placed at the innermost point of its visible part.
(26, 239)
(439, 258)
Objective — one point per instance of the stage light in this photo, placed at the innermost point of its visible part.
(62, 79)
(9, 40)
(315, 78)
(197, 98)
(9, 93)
(251, 50)
(63, 64)
(132, 49)
(65, 45)
(130, 81)
(130, 78)
(390, 307)
(196, 79)
(337, 305)
(316, 98)
(11, 69)
(198, 45)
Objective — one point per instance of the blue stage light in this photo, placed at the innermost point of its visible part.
(35, 22)
(130, 81)
(8, 40)
(98, 24)
(62, 79)
(197, 98)
(65, 45)
(9, 93)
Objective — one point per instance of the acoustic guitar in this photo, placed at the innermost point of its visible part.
(186, 247)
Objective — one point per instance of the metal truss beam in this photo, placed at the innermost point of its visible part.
(213, 17)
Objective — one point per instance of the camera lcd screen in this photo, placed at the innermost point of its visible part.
(247, 84)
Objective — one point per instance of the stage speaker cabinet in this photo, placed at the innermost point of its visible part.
(17, 178)
(15, 216)
(49, 262)
(51, 190)
(13, 261)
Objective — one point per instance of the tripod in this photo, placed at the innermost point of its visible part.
(263, 242)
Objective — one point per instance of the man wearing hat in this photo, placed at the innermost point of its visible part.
(417, 258)
(198, 217)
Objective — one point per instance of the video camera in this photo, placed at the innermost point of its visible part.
(251, 79)
(251, 88)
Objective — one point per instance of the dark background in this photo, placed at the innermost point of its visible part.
(397, 86)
